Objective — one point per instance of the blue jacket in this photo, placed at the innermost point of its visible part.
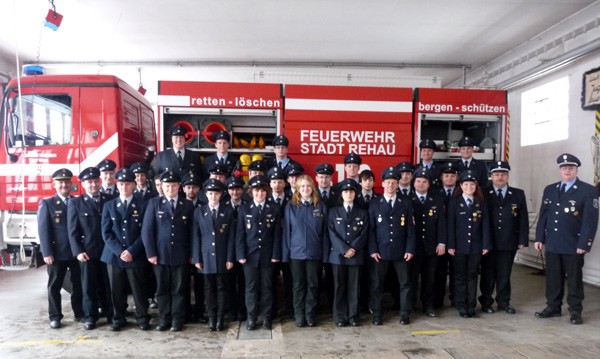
(167, 234)
(52, 229)
(213, 242)
(509, 220)
(122, 230)
(258, 236)
(568, 223)
(430, 222)
(468, 228)
(167, 161)
(345, 233)
(304, 231)
(231, 161)
(391, 230)
(84, 222)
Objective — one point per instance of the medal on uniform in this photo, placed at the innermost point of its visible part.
(249, 225)
(474, 216)
(379, 219)
(402, 221)
(222, 230)
(572, 209)
(57, 220)
(354, 228)
(430, 213)
(57, 202)
(566, 209)
(576, 213)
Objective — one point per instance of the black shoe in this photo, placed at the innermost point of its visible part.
(251, 324)
(341, 324)
(220, 325)
(464, 315)
(311, 322)
(267, 325)
(488, 309)
(144, 326)
(55, 324)
(404, 319)
(89, 326)
(201, 319)
(354, 323)
(548, 313)
(301, 324)
(117, 326)
(471, 313)
(80, 319)
(430, 313)
(377, 321)
(212, 325)
(162, 327)
(576, 318)
(176, 327)
(507, 309)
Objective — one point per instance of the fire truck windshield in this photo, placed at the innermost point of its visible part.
(47, 120)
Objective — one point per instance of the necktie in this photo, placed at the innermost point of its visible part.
(466, 164)
(391, 203)
(306, 203)
(278, 200)
(108, 190)
(469, 202)
(348, 210)
(235, 207)
(97, 201)
(222, 160)
(260, 209)
(214, 214)
(500, 196)
(67, 201)
(405, 191)
(449, 193)
(125, 205)
(173, 204)
(368, 198)
(179, 158)
(422, 198)
(324, 195)
(563, 189)
(280, 165)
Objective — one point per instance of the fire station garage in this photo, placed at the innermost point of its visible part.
(234, 179)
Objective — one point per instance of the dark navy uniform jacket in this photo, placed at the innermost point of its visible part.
(430, 222)
(113, 194)
(284, 202)
(167, 161)
(231, 161)
(569, 223)
(304, 231)
(272, 162)
(362, 203)
(468, 228)
(213, 242)
(258, 236)
(122, 230)
(479, 167)
(167, 234)
(52, 229)
(149, 193)
(435, 173)
(83, 220)
(391, 230)
(509, 220)
(347, 232)
(334, 197)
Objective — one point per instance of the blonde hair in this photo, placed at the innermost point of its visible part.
(297, 197)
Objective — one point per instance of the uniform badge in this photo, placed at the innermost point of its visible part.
(430, 213)
(379, 219)
(402, 221)
(248, 224)
(576, 213)
(354, 228)
(57, 220)
(566, 209)
(57, 202)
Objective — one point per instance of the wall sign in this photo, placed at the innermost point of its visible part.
(590, 92)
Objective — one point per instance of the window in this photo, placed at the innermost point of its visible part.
(545, 113)
(47, 120)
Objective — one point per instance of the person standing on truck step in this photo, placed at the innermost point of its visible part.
(54, 242)
(84, 216)
(427, 149)
(178, 159)
(258, 248)
(468, 162)
(352, 163)
(391, 244)
(124, 252)
(281, 160)
(166, 232)
(107, 176)
(213, 250)
(222, 156)
(566, 228)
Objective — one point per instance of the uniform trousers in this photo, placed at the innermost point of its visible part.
(288, 300)
(496, 268)
(215, 294)
(466, 270)
(346, 279)
(305, 288)
(423, 267)
(557, 267)
(56, 275)
(170, 293)
(119, 279)
(259, 281)
(195, 283)
(94, 284)
(378, 274)
(444, 273)
(236, 287)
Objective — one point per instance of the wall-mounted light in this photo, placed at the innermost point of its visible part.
(141, 88)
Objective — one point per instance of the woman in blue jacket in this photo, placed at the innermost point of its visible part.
(468, 240)
(304, 247)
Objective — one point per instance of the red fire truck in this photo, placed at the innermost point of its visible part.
(74, 122)
(71, 121)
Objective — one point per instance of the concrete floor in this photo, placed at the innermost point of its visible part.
(24, 332)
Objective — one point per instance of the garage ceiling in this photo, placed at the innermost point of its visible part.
(430, 32)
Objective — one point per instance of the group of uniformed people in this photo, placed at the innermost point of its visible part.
(228, 243)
